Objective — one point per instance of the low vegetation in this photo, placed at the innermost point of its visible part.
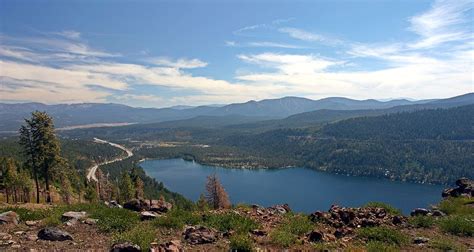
(386, 235)
(293, 226)
(390, 209)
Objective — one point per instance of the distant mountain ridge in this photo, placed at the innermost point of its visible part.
(93, 113)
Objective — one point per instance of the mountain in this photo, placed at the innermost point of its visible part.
(317, 117)
(66, 115)
(287, 106)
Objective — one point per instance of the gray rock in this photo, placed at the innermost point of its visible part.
(148, 215)
(113, 204)
(438, 213)
(54, 234)
(125, 247)
(9, 217)
(200, 235)
(90, 221)
(420, 211)
(73, 216)
(420, 240)
(31, 223)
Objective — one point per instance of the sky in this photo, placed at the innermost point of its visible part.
(166, 53)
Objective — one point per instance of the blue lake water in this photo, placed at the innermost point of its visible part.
(305, 190)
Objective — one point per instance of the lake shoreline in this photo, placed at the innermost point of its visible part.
(305, 189)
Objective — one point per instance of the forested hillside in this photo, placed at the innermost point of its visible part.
(447, 124)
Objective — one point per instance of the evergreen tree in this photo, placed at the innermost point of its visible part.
(202, 203)
(90, 193)
(41, 148)
(139, 194)
(216, 196)
(126, 188)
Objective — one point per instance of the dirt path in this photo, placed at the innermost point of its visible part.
(93, 169)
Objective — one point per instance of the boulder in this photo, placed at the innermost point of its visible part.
(258, 232)
(125, 247)
(465, 187)
(148, 215)
(438, 213)
(113, 204)
(71, 215)
(137, 205)
(171, 246)
(90, 221)
(420, 211)
(31, 223)
(161, 206)
(315, 236)
(200, 235)
(9, 217)
(463, 182)
(54, 234)
(420, 240)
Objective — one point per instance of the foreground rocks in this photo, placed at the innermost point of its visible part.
(137, 205)
(54, 234)
(9, 217)
(200, 235)
(125, 247)
(140, 205)
(344, 221)
(465, 188)
(171, 246)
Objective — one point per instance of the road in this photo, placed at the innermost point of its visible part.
(93, 169)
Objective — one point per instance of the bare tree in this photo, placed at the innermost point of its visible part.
(216, 196)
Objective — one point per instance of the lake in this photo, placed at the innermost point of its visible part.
(305, 190)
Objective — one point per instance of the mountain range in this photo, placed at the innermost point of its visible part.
(66, 115)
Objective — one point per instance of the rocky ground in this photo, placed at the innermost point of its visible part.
(161, 228)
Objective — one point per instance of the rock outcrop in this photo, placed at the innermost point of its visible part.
(160, 206)
(137, 205)
(344, 220)
(171, 246)
(465, 188)
(125, 247)
(9, 217)
(200, 235)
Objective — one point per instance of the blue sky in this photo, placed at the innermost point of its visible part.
(165, 53)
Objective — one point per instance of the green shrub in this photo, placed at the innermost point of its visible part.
(462, 225)
(383, 234)
(241, 242)
(390, 209)
(445, 244)
(377, 246)
(142, 235)
(298, 224)
(230, 221)
(28, 214)
(177, 219)
(459, 205)
(282, 237)
(422, 221)
(292, 227)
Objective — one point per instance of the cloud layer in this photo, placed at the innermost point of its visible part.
(61, 67)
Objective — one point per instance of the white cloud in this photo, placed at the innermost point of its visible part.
(444, 22)
(290, 63)
(308, 36)
(180, 63)
(266, 44)
(69, 34)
